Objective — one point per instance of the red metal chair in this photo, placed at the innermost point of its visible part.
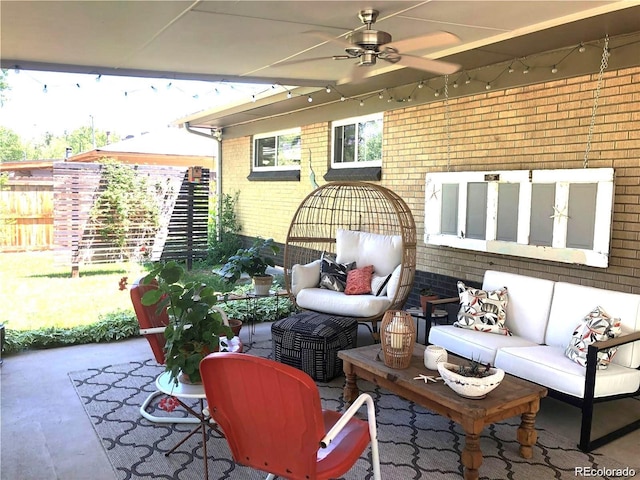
(273, 419)
(152, 325)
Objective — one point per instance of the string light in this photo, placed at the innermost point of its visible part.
(526, 70)
(342, 98)
(16, 69)
(511, 69)
(44, 89)
(581, 48)
(436, 93)
(328, 89)
(455, 84)
(98, 77)
(362, 103)
(468, 80)
(78, 85)
(380, 95)
(288, 94)
(487, 86)
(421, 84)
(253, 98)
(554, 69)
(309, 99)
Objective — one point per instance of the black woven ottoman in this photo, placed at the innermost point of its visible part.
(310, 341)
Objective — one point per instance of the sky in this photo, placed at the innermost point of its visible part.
(40, 102)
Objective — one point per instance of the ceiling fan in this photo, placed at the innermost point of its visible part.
(369, 45)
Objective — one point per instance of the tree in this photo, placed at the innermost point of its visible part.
(11, 148)
(4, 86)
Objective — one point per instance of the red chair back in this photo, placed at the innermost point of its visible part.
(270, 413)
(148, 317)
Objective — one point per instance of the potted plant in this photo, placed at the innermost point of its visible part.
(195, 325)
(473, 380)
(426, 295)
(254, 263)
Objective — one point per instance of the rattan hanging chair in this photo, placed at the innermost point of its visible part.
(359, 206)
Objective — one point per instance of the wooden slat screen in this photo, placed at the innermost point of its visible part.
(183, 206)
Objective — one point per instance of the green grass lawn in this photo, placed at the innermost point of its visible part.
(36, 293)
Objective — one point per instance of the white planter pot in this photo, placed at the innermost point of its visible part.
(262, 285)
(469, 387)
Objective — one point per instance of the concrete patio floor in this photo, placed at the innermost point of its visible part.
(45, 433)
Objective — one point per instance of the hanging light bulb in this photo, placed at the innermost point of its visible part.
(288, 94)
(342, 98)
(526, 70)
(436, 93)
(421, 84)
(16, 69)
(309, 99)
(170, 84)
(468, 80)
(98, 77)
(44, 89)
(380, 96)
(253, 98)
(455, 84)
(78, 85)
(487, 86)
(362, 103)
(581, 48)
(328, 89)
(554, 69)
(511, 69)
(409, 99)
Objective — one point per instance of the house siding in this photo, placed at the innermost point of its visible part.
(539, 126)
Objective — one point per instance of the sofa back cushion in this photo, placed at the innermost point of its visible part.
(528, 305)
(384, 252)
(571, 302)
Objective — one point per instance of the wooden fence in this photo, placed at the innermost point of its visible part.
(183, 207)
(26, 215)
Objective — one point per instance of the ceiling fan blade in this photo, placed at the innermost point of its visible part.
(330, 38)
(435, 39)
(314, 59)
(357, 74)
(428, 64)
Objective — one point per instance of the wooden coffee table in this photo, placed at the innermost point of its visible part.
(512, 397)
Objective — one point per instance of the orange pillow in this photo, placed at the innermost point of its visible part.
(359, 281)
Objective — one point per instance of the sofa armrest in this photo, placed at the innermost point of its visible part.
(613, 342)
(305, 276)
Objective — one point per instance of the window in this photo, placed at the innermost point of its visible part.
(357, 142)
(559, 215)
(277, 150)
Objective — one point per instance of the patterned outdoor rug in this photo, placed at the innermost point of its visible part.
(414, 442)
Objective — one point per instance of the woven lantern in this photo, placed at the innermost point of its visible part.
(398, 337)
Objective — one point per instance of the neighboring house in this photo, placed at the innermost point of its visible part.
(173, 147)
(533, 120)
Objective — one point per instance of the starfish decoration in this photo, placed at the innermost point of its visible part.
(427, 378)
(558, 212)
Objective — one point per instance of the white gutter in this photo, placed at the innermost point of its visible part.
(216, 134)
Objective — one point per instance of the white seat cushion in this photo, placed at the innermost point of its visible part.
(571, 302)
(338, 303)
(384, 252)
(473, 344)
(549, 366)
(528, 305)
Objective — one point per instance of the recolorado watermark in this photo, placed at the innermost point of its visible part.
(588, 471)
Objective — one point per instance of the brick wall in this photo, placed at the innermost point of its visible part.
(540, 126)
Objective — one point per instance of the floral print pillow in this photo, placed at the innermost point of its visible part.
(483, 311)
(597, 326)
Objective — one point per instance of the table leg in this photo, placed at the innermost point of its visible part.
(527, 435)
(204, 441)
(471, 456)
(350, 391)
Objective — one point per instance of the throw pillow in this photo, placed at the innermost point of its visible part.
(359, 281)
(484, 311)
(379, 284)
(598, 325)
(333, 275)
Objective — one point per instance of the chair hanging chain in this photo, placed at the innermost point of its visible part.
(447, 115)
(603, 66)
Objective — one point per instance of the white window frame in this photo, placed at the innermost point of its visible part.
(275, 134)
(352, 121)
(598, 256)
